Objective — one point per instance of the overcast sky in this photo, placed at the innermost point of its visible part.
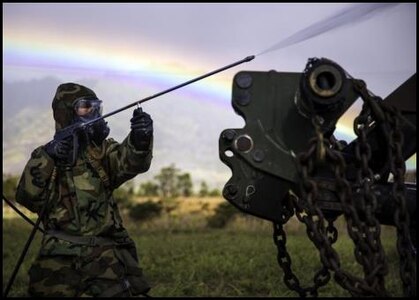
(187, 38)
(156, 46)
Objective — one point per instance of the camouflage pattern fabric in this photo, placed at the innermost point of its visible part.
(81, 205)
(100, 274)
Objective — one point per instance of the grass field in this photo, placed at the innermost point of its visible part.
(181, 256)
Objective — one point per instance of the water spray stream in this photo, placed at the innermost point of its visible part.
(346, 16)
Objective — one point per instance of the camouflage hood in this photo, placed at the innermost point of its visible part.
(62, 105)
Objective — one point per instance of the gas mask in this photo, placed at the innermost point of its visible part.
(86, 109)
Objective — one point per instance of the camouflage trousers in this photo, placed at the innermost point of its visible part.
(107, 272)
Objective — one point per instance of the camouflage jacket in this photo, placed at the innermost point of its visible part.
(80, 202)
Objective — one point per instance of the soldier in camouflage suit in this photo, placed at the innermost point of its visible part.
(85, 251)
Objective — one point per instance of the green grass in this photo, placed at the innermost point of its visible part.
(239, 260)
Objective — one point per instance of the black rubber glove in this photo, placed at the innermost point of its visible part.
(98, 132)
(141, 129)
(61, 151)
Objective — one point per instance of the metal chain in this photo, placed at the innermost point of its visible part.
(406, 250)
(321, 277)
(391, 118)
(362, 225)
(308, 212)
(368, 249)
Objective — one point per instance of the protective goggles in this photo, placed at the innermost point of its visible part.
(85, 107)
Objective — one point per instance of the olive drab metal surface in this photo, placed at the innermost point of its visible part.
(286, 161)
(278, 125)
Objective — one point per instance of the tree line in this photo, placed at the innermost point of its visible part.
(170, 182)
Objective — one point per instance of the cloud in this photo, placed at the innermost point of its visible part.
(125, 52)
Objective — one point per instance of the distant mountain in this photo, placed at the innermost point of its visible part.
(186, 131)
(17, 95)
(186, 128)
(27, 120)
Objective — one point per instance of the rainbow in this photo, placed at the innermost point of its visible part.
(53, 54)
